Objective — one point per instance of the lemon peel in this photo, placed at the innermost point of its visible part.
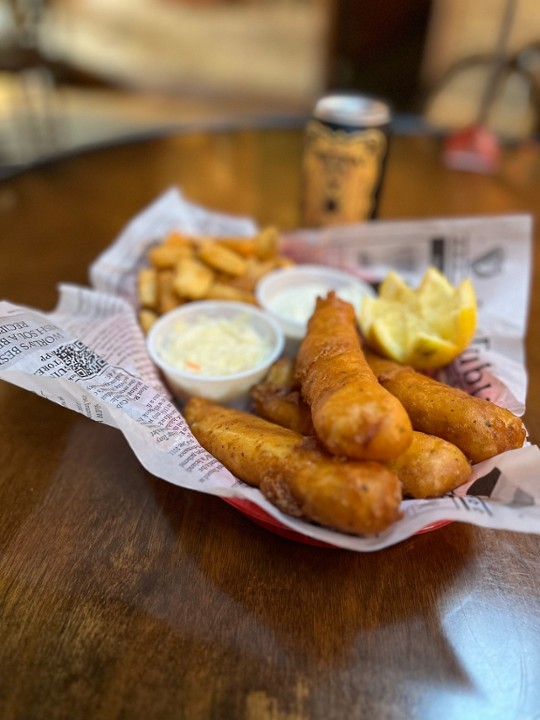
(426, 327)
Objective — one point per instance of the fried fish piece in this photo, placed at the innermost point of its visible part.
(352, 413)
(278, 399)
(430, 467)
(282, 373)
(295, 473)
(478, 427)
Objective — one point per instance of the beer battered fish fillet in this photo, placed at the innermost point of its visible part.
(278, 399)
(430, 467)
(352, 413)
(478, 427)
(294, 473)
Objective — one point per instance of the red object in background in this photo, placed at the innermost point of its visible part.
(474, 149)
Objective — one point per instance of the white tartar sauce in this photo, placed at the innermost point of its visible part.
(298, 303)
(214, 346)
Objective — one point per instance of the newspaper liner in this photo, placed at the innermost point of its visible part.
(89, 355)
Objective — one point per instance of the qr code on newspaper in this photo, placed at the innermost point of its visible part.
(84, 362)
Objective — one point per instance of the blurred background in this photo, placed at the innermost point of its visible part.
(76, 73)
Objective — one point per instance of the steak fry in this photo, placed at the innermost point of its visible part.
(295, 473)
(352, 413)
(478, 427)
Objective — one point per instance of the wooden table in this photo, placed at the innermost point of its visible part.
(122, 596)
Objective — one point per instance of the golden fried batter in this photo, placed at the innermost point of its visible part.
(352, 413)
(478, 427)
(277, 398)
(295, 473)
(429, 467)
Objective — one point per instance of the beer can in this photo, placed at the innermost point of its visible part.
(345, 151)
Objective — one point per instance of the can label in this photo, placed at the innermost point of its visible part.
(342, 173)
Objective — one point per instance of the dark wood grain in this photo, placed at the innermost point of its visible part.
(122, 596)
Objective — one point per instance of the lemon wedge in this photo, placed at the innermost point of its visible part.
(426, 327)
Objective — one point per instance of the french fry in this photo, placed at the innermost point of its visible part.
(221, 258)
(267, 243)
(246, 247)
(147, 287)
(165, 257)
(192, 279)
(178, 239)
(167, 296)
(255, 270)
(147, 318)
(223, 291)
(183, 267)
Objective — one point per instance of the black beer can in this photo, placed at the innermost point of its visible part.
(345, 152)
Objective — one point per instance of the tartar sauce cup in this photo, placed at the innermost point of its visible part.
(289, 295)
(215, 349)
